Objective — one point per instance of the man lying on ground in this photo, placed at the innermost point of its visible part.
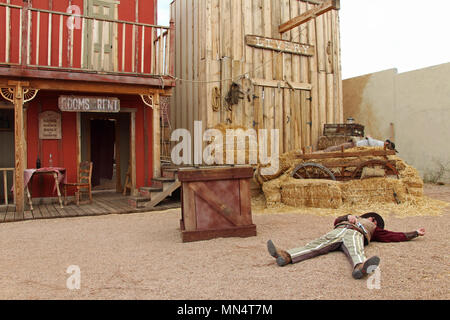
(350, 235)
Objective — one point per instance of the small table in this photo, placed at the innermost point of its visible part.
(59, 174)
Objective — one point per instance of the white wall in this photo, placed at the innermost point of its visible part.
(412, 108)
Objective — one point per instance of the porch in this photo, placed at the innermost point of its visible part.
(104, 203)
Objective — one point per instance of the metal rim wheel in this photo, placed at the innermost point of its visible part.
(312, 171)
(374, 163)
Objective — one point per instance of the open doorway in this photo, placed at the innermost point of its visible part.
(103, 154)
(105, 142)
(7, 154)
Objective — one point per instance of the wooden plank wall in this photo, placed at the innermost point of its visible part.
(211, 52)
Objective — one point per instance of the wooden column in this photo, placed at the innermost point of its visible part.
(78, 144)
(134, 191)
(156, 137)
(19, 140)
(172, 48)
(146, 166)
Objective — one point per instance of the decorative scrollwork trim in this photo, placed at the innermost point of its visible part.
(28, 94)
(148, 99)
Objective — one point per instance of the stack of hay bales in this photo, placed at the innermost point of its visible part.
(331, 194)
(328, 194)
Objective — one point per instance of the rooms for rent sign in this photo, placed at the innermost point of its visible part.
(88, 104)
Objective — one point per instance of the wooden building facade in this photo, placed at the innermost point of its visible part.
(101, 68)
(282, 55)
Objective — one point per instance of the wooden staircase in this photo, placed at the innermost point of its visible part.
(150, 197)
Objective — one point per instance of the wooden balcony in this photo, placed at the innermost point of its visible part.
(44, 44)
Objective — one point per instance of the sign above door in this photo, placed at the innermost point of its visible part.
(88, 104)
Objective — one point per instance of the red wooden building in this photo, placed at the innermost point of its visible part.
(101, 68)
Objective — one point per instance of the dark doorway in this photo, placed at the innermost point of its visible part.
(106, 136)
(7, 152)
(103, 135)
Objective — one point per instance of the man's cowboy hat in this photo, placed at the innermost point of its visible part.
(378, 218)
(391, 145)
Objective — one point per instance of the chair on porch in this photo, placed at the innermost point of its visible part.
(83, 185)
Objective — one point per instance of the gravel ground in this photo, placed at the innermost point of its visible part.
(141, 256)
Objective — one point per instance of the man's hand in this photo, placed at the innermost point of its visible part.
(421, 232)
(352, 219)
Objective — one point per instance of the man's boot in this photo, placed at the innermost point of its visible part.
(283, 258)
(365, 268)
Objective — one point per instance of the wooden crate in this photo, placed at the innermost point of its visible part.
(216, 202)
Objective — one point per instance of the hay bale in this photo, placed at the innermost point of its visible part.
(311, 193)
(374, 190)
(272, 191)
(411, 179)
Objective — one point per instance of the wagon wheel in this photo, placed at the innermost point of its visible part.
(312, 171)
(374, 163)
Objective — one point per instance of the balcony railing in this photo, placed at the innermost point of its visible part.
(6, 188)
(45, 39)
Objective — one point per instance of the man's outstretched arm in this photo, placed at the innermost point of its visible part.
(381, 235)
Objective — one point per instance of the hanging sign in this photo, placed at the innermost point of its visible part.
(279, 45)
(88, 104)
(50, 125)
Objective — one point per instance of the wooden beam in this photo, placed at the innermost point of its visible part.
(134, 191)
(19, 142)
(73, 75)
(330, 155)
(146, 147)
(309, 15)
(91, 87)
(156, 138)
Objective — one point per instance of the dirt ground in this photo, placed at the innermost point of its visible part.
(141, 256)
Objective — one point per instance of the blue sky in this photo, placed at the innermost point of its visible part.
(384, 34)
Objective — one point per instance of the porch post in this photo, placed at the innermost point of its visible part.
(134, 191)
(172, 48)
(156, 137)
(19, 142)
